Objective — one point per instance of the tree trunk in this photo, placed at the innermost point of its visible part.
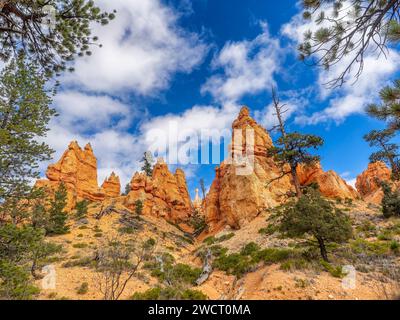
(296, 182)
(322, 248)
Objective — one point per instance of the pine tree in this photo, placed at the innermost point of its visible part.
(292, 148)
(127, 189)
(81, 208)
(22, 250)
(148, 163)
(139, 207)
(313, 215)
(390, 201)
(57, 216)
(389, 109)
(347, 29)
(49, 40)
(24, 118)
(203, 188)
(388, 152)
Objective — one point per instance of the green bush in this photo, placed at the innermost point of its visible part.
(390, 201)
(82, 262)
(269, 230)
(80, 245)
(271, 255)
(169, 293)
(81, 208)
(138, 207)
(250, 249)
(370, 248)
(394, 246)
(251, 254)
(15, 282)
(335, 271)
(173, 273)
(209, 240)
(212, 240)
(83, 289)
(235, 264)
(22, 251)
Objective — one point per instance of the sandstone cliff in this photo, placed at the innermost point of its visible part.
(245, 186)
(77, 169)
(330, 183)
(112, 186)
(240, 191)
(368, 182)
(163, 194)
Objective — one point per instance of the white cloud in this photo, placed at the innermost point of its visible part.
(352, 97)
(352, 182)
(170, 132)
(90, 112)
(248, 67)
(142, 49)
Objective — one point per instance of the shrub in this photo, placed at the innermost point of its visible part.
(271, 229)
(271, 255)
(80, 245)
(138, 207)
(390, 201)
(334, 271)
(174, 273)
(250, 249)
(209, 240)
(250, 255)
(370, 248)
(81, 208)
(212, 240)
(80, 262)
(394, 246)
(385, 236)
(15, 282)
(235, 264)
(127, 230)
(169, 293)
(348, 201)
(22, 250)
(83, 289)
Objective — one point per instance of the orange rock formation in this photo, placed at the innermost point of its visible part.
(330, 184)
(112, 186)
(163, 194)
(240, 191)
(243, 188)
(77, 169)
(368, 182)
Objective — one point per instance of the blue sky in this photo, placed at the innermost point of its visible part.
(196, 62)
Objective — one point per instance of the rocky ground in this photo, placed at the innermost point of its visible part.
(370, 253)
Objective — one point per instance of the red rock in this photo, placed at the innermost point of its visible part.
(163, 194)
(330, 183)
(112, 186)
(368, 182)
(240, 192)
(77, 169)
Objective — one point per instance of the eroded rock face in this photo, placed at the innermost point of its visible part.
(112, 186)
(77, 169)
(163, 194)
(330, 183)
(240, 190)
(368, 182)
